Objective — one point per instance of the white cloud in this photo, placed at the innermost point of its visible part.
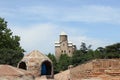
(93, 13)
(43, 36)
(89, 41)
(40, 36)
(84, 13)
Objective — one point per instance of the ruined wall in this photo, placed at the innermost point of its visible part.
(81, 70)
(100, 65)
(95, 68)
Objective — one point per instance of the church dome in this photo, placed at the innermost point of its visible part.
(63, 33)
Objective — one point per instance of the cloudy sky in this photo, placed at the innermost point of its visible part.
(39, 22)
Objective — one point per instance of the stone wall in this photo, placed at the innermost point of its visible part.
(63, 46)
(96, 68)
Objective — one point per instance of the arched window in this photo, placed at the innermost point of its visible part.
(64, 51)
(61, 51)
(69, 51)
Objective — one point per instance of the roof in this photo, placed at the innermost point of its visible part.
(35, 54)
(63, 33)
(70, 42)
(7, 70)
(57, 45)
(57, 42)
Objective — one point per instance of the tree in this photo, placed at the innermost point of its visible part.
(112, 51)
(53, 59)
(10, 49)
(115, 48)
(76, 58)
(100, 53)
(79, 58)
(84, 48)
(64, 62)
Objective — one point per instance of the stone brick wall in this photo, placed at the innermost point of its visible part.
(63, 46)
(95, 68)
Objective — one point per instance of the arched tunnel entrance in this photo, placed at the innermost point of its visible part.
(46, 68)
(22, 65)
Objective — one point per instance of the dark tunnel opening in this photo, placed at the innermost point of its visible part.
(22, 65)
(46, 68)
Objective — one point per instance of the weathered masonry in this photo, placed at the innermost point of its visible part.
(37, 63)
(63, 46)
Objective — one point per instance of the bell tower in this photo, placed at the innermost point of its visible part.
(63, 37)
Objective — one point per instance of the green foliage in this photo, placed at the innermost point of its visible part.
(85, 54)
(10, 50)
(53, 59)
(115, 48)
(9, 56)
(111, 51)
(76, 58)
(62, 64)
(84, 48)
(79, 57)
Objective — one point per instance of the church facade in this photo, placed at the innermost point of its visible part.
(63, 46)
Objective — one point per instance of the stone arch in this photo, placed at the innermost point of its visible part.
(46, 68)
(22, 65)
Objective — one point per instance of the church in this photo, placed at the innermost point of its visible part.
(63, 46)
